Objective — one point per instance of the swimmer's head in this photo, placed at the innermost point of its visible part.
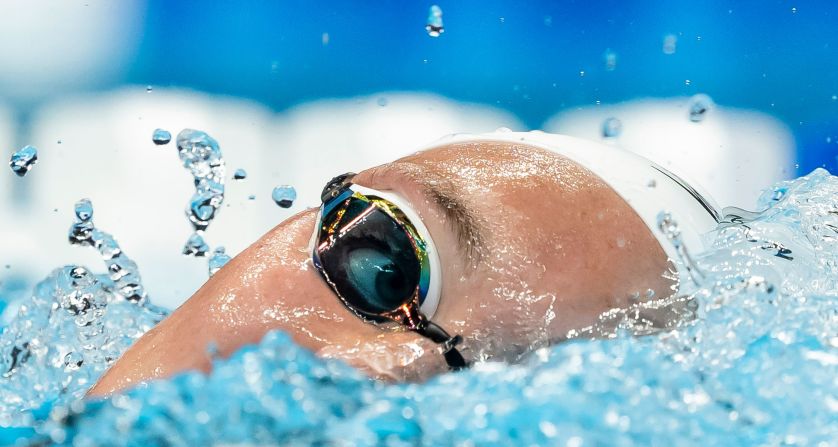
(530, 244)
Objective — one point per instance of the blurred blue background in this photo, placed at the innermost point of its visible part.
(779, 57)
(296, 91)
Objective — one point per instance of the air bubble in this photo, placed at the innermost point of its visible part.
(161, 137)
(434, 26)
(23, 160)
(284, 195)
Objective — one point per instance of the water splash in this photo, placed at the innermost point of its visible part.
(73, 326)
(161, 137)
(434, 26)
(284, 195)
(201, 155)
(122, 270)
(23, 160)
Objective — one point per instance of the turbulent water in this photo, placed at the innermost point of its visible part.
(756, 366)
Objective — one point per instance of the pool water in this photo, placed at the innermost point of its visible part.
(754, 363)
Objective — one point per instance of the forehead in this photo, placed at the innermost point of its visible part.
(527, 199)
(477, 167)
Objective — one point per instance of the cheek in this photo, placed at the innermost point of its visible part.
(503, 307)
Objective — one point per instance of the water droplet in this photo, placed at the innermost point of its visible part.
(700, 106)
(794, 10)
(123, 271)
(195, 246)
(382, 102)
(670, 41)
(73, 361)
(240, 174)
(23, 160)
(610, 60)
(161, 137)
(324, 39)
(687, 82)
(218, 259)
(284, 195)
(148, 89)
(581, 73)
(83, 210)
(612, 127)
(835, 97)
(652, 183)
(434, 26)
(201, 155)
(251, 197)
(548, 21)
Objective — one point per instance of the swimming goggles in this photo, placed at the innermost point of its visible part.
(379, 260)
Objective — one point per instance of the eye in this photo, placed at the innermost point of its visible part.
(372, 264)
(378, 278)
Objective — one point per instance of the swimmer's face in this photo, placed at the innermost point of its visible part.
(531, 244)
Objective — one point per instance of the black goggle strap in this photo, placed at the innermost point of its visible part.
(438, 335)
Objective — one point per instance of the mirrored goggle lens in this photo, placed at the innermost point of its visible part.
(368, 257)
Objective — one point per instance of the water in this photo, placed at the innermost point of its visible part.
(700, 106)
(434, 26)
(201, 155)
(23, 160)
(284, 195)
(670, 44)
(73, 326)
(218, 259)
(753, 362)
(161, 137)
(612, 127)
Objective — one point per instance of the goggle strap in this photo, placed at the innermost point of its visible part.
(438, 335)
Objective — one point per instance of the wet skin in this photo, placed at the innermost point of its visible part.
(551, 248)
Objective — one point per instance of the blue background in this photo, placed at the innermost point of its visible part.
(778, 57)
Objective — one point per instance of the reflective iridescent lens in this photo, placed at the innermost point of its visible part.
(371, 260)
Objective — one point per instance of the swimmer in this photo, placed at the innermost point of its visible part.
(478, 248)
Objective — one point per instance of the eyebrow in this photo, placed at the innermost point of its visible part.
(462, 219)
